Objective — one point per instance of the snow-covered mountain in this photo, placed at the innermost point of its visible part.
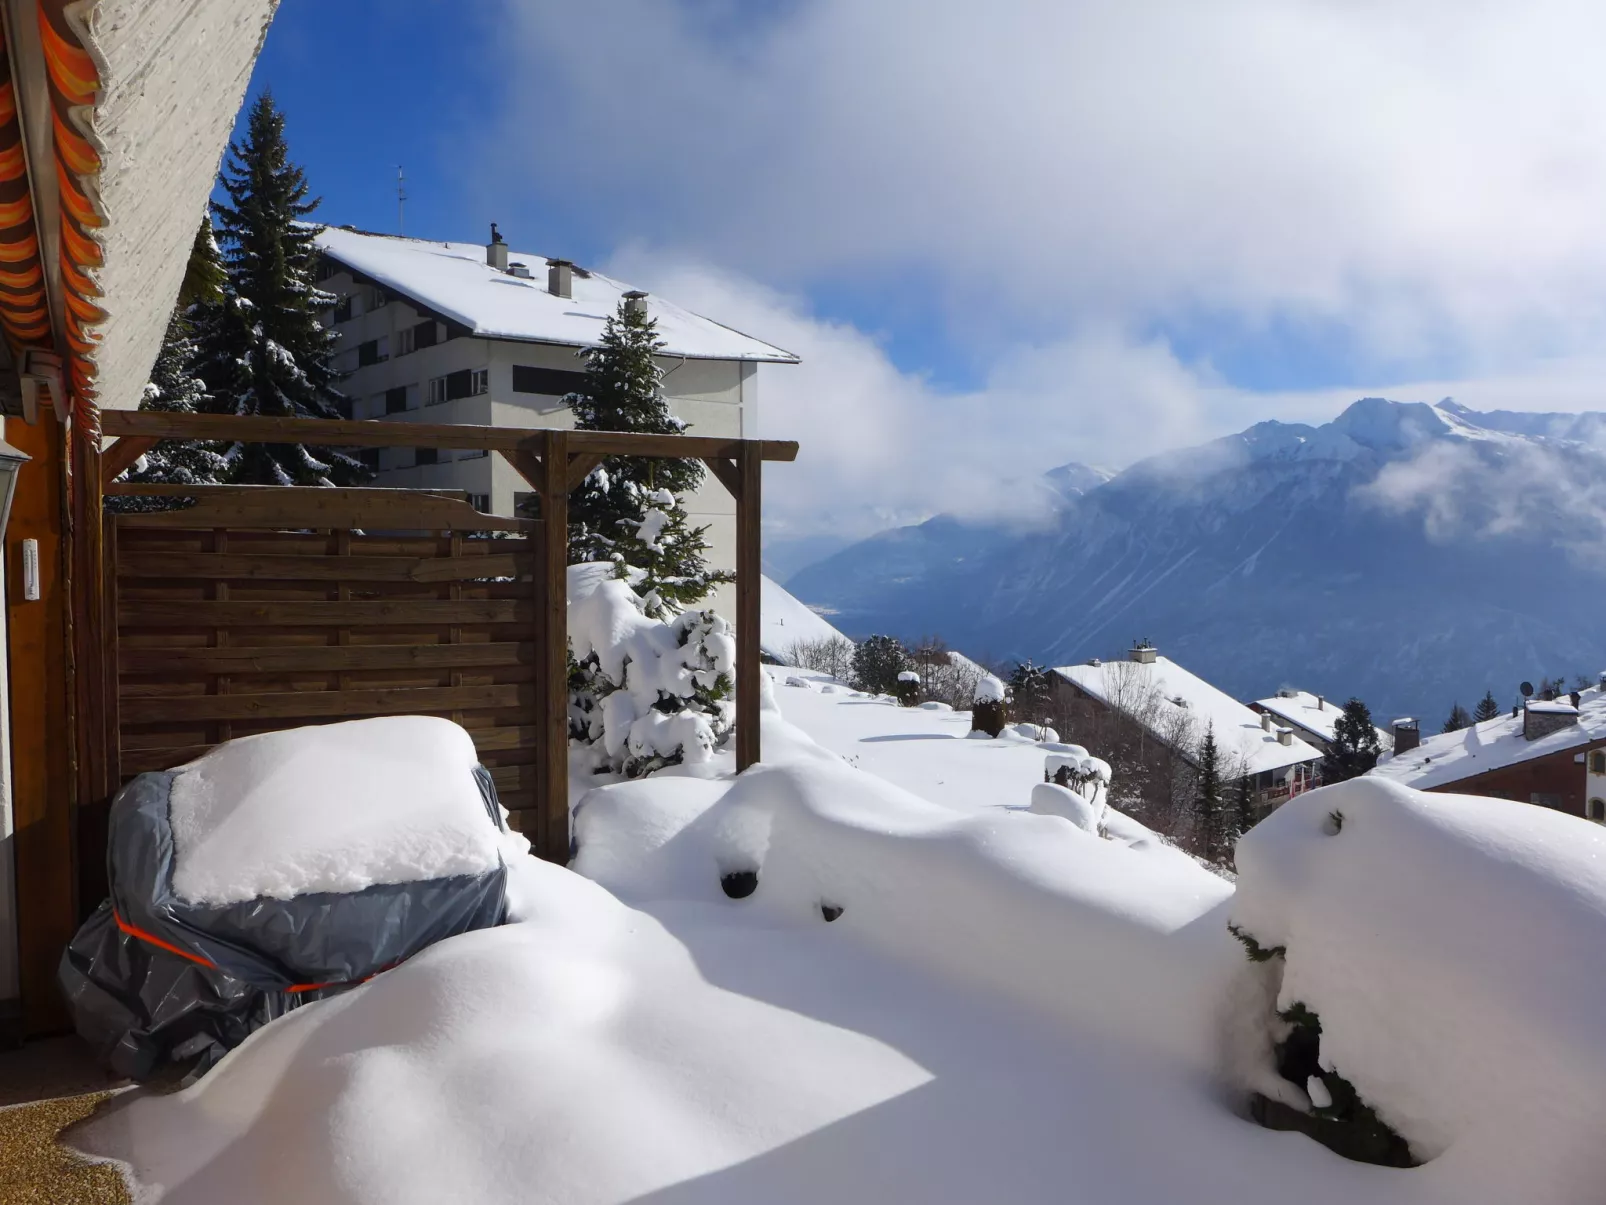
(1414, 555)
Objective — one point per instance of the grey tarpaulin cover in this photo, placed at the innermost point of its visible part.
(154, 979)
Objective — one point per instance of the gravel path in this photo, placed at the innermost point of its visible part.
(36, 1170)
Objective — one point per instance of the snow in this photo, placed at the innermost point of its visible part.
(1491, 745)
(953, 983)
(788, 621)
(989, 689)
(1450, 945)
(454, 281)
(1238, 730)
(908, 675)
(1315, 714)
(336, 807)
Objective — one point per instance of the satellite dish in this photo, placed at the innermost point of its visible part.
(1527, 689)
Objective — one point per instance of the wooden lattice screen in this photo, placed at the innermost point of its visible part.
(264, 608)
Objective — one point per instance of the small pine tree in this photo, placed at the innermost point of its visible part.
(175, 389)
(1030, 692)
(1244, 807)
(1209, 812)
(1487, 708)
(1459, 719)
(1355, 746)
(264, 350)
(609, 512)
(877, 662)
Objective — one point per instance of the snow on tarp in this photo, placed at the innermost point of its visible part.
(1451, 946)
(333, 807)
(454, 280)
(787, 622)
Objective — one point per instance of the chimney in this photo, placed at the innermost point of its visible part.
(496, 251)
(1407, 735)
(636, 302)
(1265, 721)
(522, 271)
(1576, 698)
(1143, 653)
(1285, 736)
(560, 278)
(1541, 718)
(1321, 703)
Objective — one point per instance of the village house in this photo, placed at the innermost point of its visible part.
(1175, 709)
(1548, 752)
(467, 333)
(1312, 717)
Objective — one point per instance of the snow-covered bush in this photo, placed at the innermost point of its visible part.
(645, 693)
(988, 712)
(907, 690)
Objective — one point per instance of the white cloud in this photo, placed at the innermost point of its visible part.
(1431, 175)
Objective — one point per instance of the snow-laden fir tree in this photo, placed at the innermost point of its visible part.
(263, 349)
(877, 662)
(1209, 811)
(1487, 708)
(629, 510)
(1355, 748)
(174, 387)
(1459, 719)
(1244, 808)
(1030, 692)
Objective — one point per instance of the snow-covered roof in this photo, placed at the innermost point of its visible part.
(1172, 694)
(454, 281)
(1494, 744)
(1313, 713)
(788, 621)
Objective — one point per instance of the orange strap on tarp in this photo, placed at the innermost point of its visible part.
(139, 934)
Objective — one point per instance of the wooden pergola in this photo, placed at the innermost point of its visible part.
(553, 462)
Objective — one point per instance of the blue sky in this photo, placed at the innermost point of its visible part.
(1005, 236)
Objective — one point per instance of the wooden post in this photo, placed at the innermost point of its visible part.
(41, 722)
(749, 613)
(552, 776)
(89, 648)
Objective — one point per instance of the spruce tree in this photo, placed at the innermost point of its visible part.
(1487, 708)
(610, 513)
(1355, 748)
(1030, 692)
(264, 350)
(1244, 811)
(1209, 813)
(1459, 719)
(877, 662)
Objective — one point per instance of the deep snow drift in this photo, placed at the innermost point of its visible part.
(1003, 1007)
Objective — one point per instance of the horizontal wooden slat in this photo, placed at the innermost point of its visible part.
(314, 704)
(373, 433)
(332, 658)
(294, 507)
(136, 613)
(251, 567)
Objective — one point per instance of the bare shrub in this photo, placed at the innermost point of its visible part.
(831, 655)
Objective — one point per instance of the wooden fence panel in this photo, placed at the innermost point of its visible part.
(242, 615)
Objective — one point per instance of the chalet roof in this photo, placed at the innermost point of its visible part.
(454, 281)
(1314, 713)
(1494, 744)
(1166, 697)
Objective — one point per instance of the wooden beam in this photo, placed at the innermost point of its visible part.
(526, 464)
(727, 473)
(271, 567)
(322, 658)
(580, 467)
(749, 617)
(258, 613)
(120, 457)
(376, 433)
(318, 704)
(552, 780)
(41, 754)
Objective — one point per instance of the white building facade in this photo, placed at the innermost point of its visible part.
(467, 334)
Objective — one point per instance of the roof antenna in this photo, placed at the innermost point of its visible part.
(401, 199)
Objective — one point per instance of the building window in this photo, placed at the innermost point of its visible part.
(1597, 762)
(472, 454)
(425, 334)
(466, 382)
(1545, 799)
(396, 400)
(374, 351)
(480, 502)
(480, 382)
(426, 456)
(437, 391)
(375, 299)
(326, 268)
(343, 309)
(404, 342)
(550, 382)
(1596, 811)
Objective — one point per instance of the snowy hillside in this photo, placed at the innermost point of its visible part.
(788, 622)
(929, 993)
(1410, 554)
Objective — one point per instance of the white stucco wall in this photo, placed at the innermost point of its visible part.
(172, 79)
